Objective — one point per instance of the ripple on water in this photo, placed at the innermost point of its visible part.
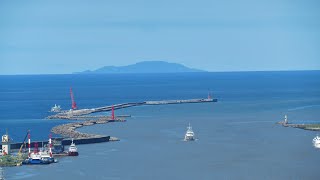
(23, 175)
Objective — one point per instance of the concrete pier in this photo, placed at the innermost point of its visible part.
(67, 141)
(310, 127)
(179, 101)
(78, 114)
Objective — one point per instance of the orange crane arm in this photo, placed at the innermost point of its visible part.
(23, 143)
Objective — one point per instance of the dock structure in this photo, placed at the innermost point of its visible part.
(79, 113)
(67, 141)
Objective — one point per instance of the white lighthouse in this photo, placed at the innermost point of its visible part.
(285, 119)
(6, 144)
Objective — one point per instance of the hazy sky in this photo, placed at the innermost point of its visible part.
(45, 37)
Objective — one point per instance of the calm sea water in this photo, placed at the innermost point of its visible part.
(237, 136)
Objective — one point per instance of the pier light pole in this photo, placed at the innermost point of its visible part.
(50, 145)
(29, 143)
(285, 119)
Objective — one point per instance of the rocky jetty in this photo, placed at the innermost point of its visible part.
(69, 130)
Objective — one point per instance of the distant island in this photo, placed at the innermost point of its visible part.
(144, 67)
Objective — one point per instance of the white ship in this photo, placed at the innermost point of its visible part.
(189, 136)
(316, 142)
(73, 151)
(56, 108)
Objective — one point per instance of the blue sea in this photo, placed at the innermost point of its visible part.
(237, 137)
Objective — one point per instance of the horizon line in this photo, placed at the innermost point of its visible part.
(236, 71)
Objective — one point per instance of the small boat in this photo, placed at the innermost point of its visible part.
(316, 142)
(189, 136)
(73, 151)
(56, 108)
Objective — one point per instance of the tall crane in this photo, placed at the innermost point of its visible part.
(74, 105)
(23, 143)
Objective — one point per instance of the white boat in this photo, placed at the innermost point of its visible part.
(56, 108)
(73, 151)
(189, 136)
(316, 142)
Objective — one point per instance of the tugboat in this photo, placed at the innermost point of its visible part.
(73, 151)
(316, 142)
(189, 136)
(56, 108)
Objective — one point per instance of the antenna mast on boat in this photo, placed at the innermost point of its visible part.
(29, 144)
(74, 105)
(50, 145)
(35, 150)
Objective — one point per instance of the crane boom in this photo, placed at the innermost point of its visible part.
(74, 105)
(23, 143)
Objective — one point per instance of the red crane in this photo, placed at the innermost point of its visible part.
(35, 150)
(112, 112)
(74, 105)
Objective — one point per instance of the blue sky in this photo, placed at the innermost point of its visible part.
(54, 37)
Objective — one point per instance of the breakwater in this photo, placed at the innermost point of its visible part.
(310, 127)
(69, 130)
(79, 113)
